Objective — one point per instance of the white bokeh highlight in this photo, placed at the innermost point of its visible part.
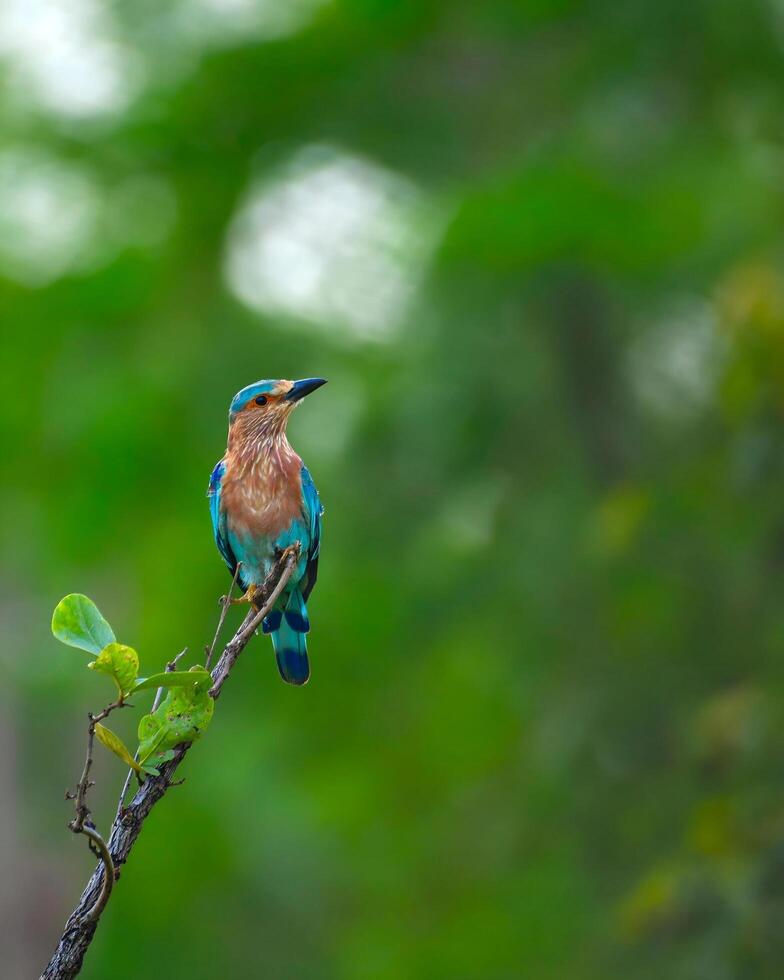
(676, 362)
(334, 241)
(48, 213)
(73, 59)
(65, 56)
(213, 23)
(57, 218)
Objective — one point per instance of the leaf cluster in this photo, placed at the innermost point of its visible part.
(181, 717)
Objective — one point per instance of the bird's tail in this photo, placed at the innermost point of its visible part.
(288, 627)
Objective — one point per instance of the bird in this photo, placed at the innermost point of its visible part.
(262, 499)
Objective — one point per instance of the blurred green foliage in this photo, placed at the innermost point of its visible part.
(536, 248)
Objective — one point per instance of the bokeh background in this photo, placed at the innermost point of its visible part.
(536, 247)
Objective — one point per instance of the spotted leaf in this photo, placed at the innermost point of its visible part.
(120, 662)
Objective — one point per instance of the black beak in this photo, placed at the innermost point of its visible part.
(304, 387)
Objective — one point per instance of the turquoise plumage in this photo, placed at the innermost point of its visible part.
(262, 499)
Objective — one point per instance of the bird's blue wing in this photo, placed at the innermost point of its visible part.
(312, 512)
(219, 517)
(288, 623)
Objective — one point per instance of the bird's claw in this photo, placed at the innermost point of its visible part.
(248, 597)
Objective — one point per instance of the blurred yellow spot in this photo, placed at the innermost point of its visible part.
(750, 304)
(618, 520)
(712, 831)
(651, 904)
(728, 724)
(752, 298)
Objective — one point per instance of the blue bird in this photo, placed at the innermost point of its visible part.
(262, 499)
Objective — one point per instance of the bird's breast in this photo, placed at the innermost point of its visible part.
(262, 499)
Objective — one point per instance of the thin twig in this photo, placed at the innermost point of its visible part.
(171, 666)
(109, 875)
(66, 961)
(80, 806)
(225, 603)
(82, 812)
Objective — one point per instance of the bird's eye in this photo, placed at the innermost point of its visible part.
(261, 400)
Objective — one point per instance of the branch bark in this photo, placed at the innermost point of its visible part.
(66, 962)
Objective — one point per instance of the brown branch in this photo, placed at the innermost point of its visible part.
(66, 961)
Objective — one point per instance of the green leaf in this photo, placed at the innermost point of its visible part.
(120, 662)
(163, 757)
(77, 622)
(183, 715)
(115, 744)
(151, 733)
(203, 679)
(171, 678)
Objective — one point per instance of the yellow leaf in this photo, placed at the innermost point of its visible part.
(115, 744)
(120, 662)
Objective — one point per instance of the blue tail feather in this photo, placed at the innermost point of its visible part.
(296, 613)
(291, 652)
(288, 639)
(271, 622)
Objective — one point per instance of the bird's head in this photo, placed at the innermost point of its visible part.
(261, 410)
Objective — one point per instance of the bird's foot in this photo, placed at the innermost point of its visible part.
(248, 597)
